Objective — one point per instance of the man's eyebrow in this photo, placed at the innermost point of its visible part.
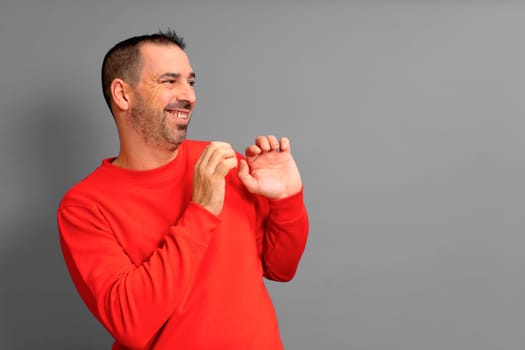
(174, 75)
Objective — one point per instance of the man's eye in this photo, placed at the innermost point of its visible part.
(192, 83)
(170, 81)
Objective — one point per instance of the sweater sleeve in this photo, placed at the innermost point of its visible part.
(132, 301)
(284, 238)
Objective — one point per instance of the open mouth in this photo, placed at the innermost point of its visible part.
(184, 115)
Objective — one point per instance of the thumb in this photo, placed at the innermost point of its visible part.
(246, 178)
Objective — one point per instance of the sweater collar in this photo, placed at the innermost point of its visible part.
(165, 172)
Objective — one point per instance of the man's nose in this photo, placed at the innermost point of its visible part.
(186, 93)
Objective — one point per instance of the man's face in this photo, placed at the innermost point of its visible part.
(164, 95)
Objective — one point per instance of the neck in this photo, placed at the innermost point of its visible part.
(145, 158)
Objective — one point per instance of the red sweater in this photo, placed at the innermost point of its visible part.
(161, 272)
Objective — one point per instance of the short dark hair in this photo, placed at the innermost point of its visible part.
(123, 60)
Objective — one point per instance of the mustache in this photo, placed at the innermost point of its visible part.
(179, 105)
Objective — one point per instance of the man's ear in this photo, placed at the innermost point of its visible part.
(120, 94)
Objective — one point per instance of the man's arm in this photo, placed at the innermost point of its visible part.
(270, 172)
(132, 301)
(284, 236)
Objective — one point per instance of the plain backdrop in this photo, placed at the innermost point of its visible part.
(406, 119)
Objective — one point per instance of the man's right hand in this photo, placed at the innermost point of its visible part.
(209, 185)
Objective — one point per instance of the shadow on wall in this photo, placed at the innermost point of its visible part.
(40, 309)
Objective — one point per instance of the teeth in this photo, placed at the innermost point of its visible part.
(182, 115)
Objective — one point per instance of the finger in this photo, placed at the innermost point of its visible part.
(274, 143)
(263, 143)
(220, 153)
(208, 151)
(220, 144)
(224, 166)
(203, 159)
(285, 144)
(252, 151)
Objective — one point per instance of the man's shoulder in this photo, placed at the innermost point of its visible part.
(94, 183)
(195, 145)
(194, 149)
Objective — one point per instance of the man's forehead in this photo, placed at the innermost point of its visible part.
(158, 50)
(164, 57)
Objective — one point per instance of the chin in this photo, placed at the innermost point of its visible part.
(177, 139)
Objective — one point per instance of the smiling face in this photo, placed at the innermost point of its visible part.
(164, 96)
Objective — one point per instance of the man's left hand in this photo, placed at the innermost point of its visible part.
(269, 168)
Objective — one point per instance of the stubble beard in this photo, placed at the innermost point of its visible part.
(152, 125)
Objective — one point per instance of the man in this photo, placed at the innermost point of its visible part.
(168, 242)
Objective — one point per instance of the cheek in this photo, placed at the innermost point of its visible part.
(164, 98)
(157, 96)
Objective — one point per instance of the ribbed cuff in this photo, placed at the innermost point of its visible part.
(287, 209)
(199, 222)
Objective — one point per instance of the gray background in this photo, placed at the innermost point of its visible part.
(406, 118)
